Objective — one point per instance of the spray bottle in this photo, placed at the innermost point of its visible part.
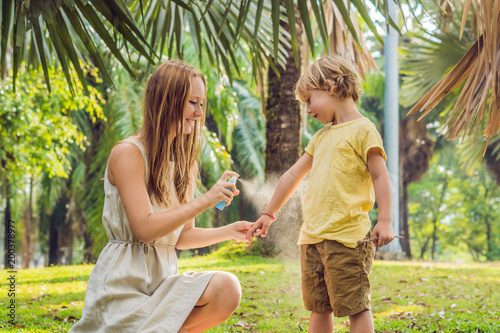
(222, 204)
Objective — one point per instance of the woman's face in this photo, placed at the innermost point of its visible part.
(194, 106)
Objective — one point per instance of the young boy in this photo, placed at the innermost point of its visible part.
(346, 159)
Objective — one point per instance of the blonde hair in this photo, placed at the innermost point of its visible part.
(343, 78)
(168, 156)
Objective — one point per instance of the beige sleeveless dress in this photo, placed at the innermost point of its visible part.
(136, 287)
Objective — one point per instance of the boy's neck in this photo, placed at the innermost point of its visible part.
(346, 111)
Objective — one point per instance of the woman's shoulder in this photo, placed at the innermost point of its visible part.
(126, 148)
(125, 157)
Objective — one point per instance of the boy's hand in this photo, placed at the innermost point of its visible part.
(384, 232)
(259, 227)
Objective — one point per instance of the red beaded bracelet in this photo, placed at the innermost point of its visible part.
(273, 218)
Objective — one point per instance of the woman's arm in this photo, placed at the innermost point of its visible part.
(286, 187)
(126, 171)
(192, 237)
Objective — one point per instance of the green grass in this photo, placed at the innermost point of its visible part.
(406, 297)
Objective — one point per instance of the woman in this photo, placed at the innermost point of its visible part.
(149, 211)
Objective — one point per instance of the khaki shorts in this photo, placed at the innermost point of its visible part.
(335, 277)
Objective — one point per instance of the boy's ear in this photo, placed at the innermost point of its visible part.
(330, 85)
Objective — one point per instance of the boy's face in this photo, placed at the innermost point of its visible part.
(321, 105)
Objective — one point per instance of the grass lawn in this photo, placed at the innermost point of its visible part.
(406, 296)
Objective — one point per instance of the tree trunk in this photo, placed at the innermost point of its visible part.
(28, 244)
(424, 248)
(7, 219)
(405, 229)
(53, 244)
(283, 112)
(437, 218)
(88, 258)
(415, 153)
(434, 239)
(57, 219)
(489, 241)
(492, 161)
(283, 147)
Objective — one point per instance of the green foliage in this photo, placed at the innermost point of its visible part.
(232, 250)
(406, 297)
(461, 210)
(36, 133)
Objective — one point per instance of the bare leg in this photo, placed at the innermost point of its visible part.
(217, 303)
(361, 322)
(321, 322)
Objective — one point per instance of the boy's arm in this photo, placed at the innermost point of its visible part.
(286, 186)
(383, 194)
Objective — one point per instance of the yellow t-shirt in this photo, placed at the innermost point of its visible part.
(340, 192)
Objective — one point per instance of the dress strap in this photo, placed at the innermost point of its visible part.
(145, 247)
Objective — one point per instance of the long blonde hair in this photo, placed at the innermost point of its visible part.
(167, 92)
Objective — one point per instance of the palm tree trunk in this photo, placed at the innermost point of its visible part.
(283, 134)
(415, 152)
(283, 112)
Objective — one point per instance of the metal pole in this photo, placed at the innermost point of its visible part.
(391, 122)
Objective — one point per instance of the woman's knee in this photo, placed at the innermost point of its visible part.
(228, 290)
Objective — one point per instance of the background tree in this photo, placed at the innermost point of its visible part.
(38, 136)
(454, 208)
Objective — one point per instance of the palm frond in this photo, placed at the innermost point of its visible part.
(425, 60)
(345, 36)
(481, 67)
(54, 26)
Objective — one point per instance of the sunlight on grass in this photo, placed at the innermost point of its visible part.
(400, 310)
(406, 296)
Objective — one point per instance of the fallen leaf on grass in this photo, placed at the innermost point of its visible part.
(40, 297)
(421, 303)
(303, 319)
(67, 319)
(19, 325)
(388, 300)
(243, 324)
(52, 314)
